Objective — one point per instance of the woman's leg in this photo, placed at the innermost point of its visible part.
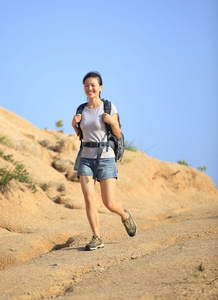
(108, 197)
(88, 189)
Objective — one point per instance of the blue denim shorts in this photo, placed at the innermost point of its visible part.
(106, 169)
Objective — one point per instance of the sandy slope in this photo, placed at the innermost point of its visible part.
(175, 208)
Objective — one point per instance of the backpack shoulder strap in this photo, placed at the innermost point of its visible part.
(107, 110)
(80, 108)
(107, 106)
(79, 111)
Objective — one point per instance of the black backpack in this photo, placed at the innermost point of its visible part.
(116, 144)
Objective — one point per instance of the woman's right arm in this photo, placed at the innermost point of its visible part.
(76, 119)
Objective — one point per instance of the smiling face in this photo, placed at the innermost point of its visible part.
(92, 88)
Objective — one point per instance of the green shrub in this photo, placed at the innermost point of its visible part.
(19, 173)
(130, 146)
(202, 169)
(6, 177)
(44, 188)
(183, 162)
(59, 124)
(5, 141)
(200, 268)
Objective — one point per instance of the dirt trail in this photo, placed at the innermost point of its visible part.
(159, 263)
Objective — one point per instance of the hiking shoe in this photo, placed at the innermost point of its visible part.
(95, 243)
(130, 224)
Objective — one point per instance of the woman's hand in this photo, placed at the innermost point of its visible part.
(76, 119)
(113, 121)
(108, 119)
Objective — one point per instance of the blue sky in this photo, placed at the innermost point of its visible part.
(158, 60)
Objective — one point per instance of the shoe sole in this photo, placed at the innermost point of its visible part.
(129, 211)
(94, 248)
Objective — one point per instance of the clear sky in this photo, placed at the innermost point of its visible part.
(158, 60)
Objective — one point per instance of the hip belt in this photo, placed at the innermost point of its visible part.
(100, 147)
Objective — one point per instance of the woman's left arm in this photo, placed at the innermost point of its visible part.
(113, 121)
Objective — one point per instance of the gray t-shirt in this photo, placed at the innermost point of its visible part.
(94, 130)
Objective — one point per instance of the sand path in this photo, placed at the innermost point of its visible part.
(159, 263)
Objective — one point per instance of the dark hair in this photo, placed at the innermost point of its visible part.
(93, 74)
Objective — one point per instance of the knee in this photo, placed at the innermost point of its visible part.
(90, 202)
(109, 206)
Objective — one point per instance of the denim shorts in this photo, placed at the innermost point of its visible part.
(106, 169)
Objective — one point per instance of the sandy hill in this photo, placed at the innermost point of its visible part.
(172, 257)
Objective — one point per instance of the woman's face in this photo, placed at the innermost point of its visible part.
(92, 88)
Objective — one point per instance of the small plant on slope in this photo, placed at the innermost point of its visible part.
(19, 173)
(5, 141)
(59, 124)
(130, 146)
(183, 162)
(202, 169)
(5, 178)
(200, 268)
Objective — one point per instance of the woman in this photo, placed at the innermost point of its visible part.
(92, 123)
